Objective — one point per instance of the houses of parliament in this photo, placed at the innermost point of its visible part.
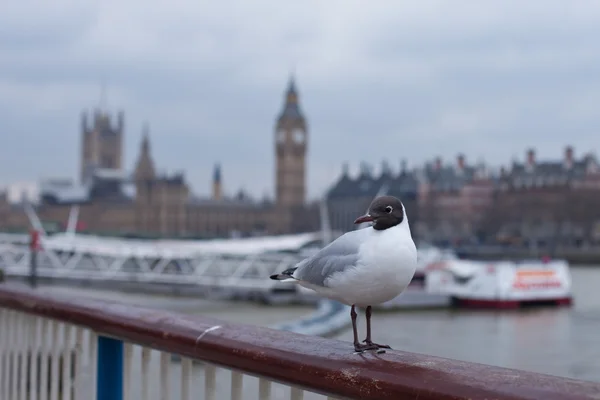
(142, 202)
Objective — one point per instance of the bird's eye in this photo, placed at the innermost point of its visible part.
(389, 209)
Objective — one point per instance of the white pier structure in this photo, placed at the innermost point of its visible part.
(241, 264)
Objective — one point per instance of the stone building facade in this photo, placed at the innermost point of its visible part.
(142, 202)
(548, 202)
(453, 200)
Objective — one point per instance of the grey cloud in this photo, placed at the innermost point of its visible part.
(397, 80)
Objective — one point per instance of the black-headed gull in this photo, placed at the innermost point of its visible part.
(364, 267)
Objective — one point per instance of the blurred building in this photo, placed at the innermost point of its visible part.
(443, 202)
(542, 202)
(453, 200)
(113, 200)
(548, 202)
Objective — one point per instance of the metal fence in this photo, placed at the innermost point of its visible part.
(71, 348)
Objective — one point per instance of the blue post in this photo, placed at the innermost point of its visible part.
(109, 384)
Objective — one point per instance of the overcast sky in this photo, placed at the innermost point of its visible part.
(377, 80)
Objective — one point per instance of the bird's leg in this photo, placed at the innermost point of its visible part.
(357, 346)
(368, 318)
(368, 340)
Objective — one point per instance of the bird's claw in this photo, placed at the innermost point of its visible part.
(359, 348)
(379, 346)
(363, 347)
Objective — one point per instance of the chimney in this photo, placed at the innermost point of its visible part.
(345, 169)
(120, 121)
(531, 157)
(460, 161)
(365, 169)
(385, 168)
(438, 163)
(569, 155)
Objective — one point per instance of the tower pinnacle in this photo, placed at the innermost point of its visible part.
(216, 184)
(145, 147)
(144, 170)
(292, 93)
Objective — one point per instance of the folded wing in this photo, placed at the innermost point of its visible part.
(338, 256)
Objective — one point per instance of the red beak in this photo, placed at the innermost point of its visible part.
(364, 218)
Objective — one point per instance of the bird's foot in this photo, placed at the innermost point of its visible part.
(359, 348)
(379, 346)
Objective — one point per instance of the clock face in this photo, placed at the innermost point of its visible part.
(298, 136)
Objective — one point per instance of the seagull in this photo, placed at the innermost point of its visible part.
(364, 267)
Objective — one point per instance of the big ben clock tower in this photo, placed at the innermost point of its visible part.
(291, 139)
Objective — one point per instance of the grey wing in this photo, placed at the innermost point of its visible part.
(337, 256)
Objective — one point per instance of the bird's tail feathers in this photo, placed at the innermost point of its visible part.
(285, 276)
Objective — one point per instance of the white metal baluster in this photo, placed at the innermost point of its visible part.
(2, 350)
(4, 346)
(92, 365)
(210, 382)
(81, 364)
(165, 363)
(14, 354)
(7, 354)
(24, 344)
(186, 377)
(66, 370)
(146, 353)
(296, 393)
(45, 346)
(264, 389)
(127, 367)
(34, 347)
(55, 354)
(237, 383)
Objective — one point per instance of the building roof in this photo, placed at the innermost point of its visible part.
(368, 184)
(63, 192)
(549, 173)
(110, 173)
(291, 110)
(448, 177)
(240, 200)
(108, 184)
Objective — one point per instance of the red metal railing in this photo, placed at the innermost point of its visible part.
(317, 364)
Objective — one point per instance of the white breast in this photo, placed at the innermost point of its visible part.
(387, 264)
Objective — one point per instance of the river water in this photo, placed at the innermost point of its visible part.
(557, 341)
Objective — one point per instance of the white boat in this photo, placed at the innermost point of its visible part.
(427, 255)
(502, 284)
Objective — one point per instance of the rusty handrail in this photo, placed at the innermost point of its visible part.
(321, 365)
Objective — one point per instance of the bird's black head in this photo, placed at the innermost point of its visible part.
(385, 212)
